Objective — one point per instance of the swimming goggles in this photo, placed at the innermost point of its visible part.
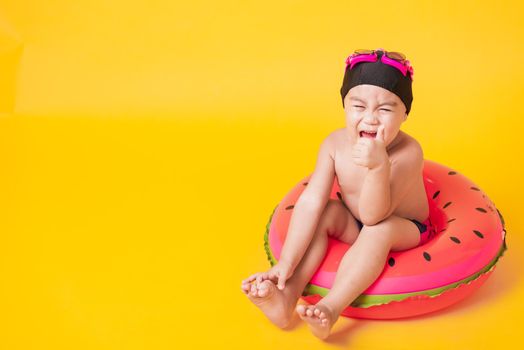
(394, 59)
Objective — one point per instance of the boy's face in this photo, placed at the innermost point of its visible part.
(369, 106)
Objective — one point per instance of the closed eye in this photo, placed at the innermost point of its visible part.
(358, 106)
(384, 109)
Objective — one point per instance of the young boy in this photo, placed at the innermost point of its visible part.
(379, 170)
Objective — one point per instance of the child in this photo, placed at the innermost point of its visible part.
(379, 170)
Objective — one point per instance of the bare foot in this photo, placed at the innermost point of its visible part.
(272, 301)
(319, 317)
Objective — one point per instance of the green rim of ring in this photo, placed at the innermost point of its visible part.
(365, 301)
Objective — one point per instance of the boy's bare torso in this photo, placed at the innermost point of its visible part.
(350, 177)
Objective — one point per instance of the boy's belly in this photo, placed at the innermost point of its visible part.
(413, 206)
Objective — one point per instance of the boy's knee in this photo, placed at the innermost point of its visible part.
(380, 231)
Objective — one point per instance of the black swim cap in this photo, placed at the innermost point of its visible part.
(379, 74)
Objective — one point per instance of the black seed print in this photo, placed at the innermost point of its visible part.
(290, 207)
(478, 233)
(427, 256)
(451, 220)
(455, 239)
(482, 210)
(391, 262)
(305, 183)
(452, 173)
(475, 189)
(436, 194)
(446, 205)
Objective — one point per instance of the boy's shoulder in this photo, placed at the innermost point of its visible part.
(409, 141)
(336, 136)
(408, 147)
(333, 138)
(329, 144)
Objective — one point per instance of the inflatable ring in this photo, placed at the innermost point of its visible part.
(467, 236)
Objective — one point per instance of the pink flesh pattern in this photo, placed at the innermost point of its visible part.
(449, 262)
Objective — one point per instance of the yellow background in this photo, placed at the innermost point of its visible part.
(144, 144)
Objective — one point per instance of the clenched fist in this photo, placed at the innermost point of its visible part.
(369, 152)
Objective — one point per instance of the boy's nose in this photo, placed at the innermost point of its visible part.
(370, 117)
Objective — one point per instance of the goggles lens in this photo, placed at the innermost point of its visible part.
(397, 56)
(364, 52)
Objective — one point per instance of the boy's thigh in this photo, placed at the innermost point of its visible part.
(399, 232)
(339, 223)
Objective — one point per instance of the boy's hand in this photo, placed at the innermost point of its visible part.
(278, 274)
(371, 153)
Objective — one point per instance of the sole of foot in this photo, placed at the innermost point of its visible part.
(271, 301)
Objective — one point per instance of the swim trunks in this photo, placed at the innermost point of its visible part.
(422, 227)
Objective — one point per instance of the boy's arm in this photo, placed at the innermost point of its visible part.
(309, 206)
(386, 185)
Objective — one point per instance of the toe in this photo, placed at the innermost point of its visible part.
(262, 277)
(263, 290)
(253, 290)
(264, 284)
(317, 312)
(301, 309)
(309, 312)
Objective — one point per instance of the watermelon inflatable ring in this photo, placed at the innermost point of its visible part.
(467, 238)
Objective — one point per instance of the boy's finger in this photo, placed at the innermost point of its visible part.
(249, 279)
(252, 277)
(380, 133)
(281, 281)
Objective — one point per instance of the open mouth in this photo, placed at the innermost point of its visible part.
(370, 135)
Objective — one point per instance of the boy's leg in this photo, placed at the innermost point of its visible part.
(274, 302)
(336, 222)
(361, 265)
